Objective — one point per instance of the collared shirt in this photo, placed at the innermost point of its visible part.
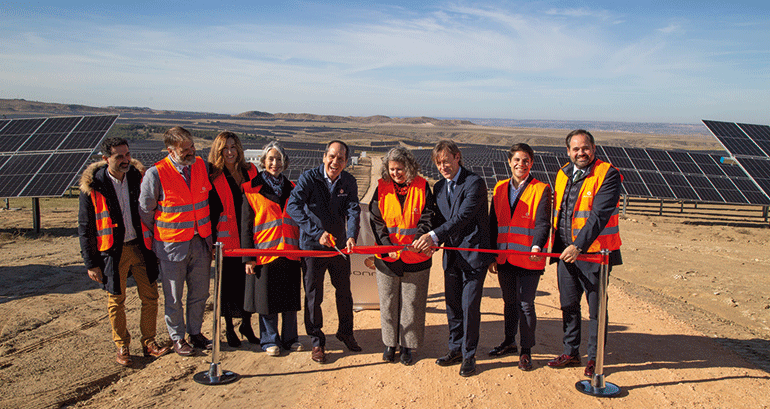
(329, 184)
(121, 190)
(514, 192)
(454, 179)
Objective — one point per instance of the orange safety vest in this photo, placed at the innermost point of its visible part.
(516, 232)
(609, 238)
(104, 225)
(273, 227)
(402, 223)
(182, 208)
(227, 225)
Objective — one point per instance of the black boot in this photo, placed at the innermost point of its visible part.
(246, 331)
(232, 337)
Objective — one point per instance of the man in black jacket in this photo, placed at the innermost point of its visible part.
(111, 244)
(586, 195)
(324, 204)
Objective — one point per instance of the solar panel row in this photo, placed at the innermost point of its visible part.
(42, 157)
(690, 176)
(750, 145)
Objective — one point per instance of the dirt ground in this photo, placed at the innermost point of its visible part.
(688, 327)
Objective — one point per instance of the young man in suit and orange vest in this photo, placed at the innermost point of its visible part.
(520, 220)
(175, 213)
(110, 234)
(587, 191)
(461, 221)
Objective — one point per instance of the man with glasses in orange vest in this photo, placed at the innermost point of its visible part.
(587, 191)
(110, 241)
(175, 213)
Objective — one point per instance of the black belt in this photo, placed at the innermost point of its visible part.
(134, 242)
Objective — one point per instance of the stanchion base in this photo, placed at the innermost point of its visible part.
(609, 389)
(227, 377)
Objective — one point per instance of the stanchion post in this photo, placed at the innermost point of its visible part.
(597, 386)
(215, 375)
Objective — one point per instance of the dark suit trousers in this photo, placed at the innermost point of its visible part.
(339, 273)
(463, 290)
(519, 306)
(572, 284)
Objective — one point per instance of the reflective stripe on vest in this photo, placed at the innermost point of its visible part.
(104, 225)
(273, 227)
(516, 231)
(182, 207)
(609, 238)
(227, 225)
(402, 223)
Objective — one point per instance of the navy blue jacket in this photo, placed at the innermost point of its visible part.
(466, 223)
(316, 210)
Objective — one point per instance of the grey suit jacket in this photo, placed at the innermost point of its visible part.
(151, 194)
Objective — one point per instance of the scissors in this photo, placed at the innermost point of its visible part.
(331, 239)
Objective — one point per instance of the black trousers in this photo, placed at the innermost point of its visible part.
(463, 290)
(339, 272)
(573, 282)
(519, 291)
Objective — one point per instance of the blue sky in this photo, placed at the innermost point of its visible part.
(646, 62)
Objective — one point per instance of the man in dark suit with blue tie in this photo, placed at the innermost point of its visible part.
(462, 222)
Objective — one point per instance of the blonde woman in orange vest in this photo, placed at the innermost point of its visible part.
(519, 219)
(400, 212)
(228, 171)
(272, 283)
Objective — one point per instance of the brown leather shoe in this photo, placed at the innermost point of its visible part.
(182, 348)
(525, 362)
(154, 350)
(590, 369)
(123, 357)
(564, 360)
(318, 355)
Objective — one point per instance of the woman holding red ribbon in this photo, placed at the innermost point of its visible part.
(400, 213)
(519, 220)
(272, 283)
(228, 170)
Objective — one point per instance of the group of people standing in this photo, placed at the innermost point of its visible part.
(580, 216)
(162, 222)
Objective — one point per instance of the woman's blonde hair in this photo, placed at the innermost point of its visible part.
(217, 159)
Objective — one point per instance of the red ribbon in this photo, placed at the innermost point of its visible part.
(593, 258)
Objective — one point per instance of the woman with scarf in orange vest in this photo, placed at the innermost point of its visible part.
(399, 213)
(519, 219)
(228, 171)
(272, 283)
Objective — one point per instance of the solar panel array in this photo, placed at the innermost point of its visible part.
(41, 157)
(678, 175)
(749, 145)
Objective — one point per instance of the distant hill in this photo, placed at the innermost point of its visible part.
(23, 108)
(376, 119)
